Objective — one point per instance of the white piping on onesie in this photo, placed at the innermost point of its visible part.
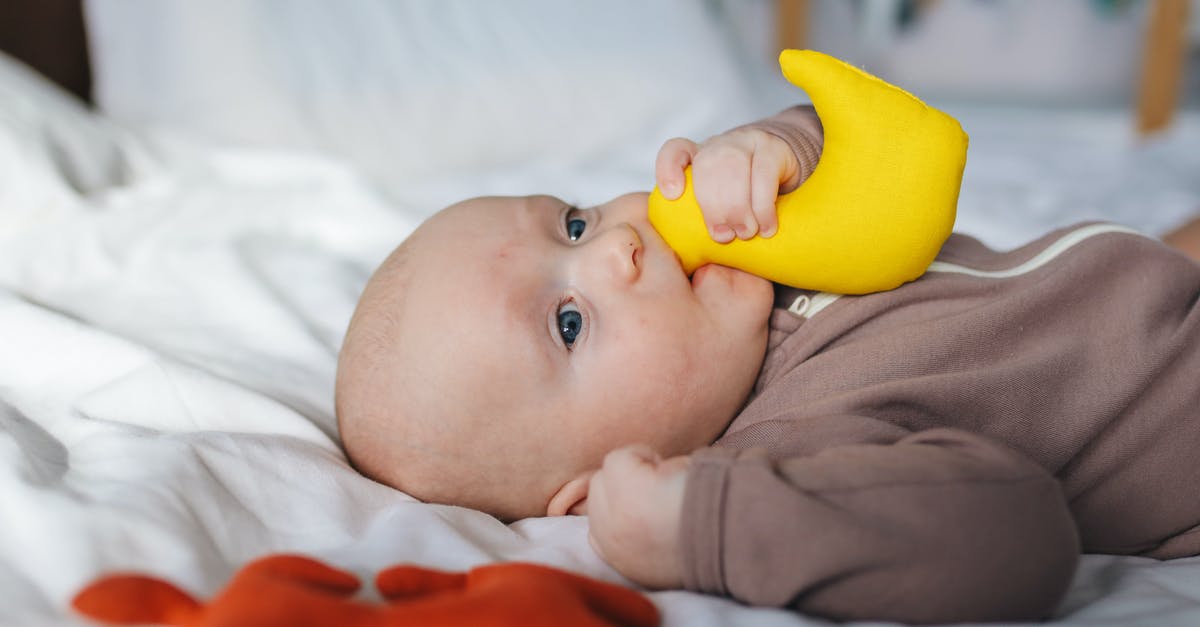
(806, 307)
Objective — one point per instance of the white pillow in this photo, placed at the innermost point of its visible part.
(407, 89)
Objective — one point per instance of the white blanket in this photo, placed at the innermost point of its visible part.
(170, 315)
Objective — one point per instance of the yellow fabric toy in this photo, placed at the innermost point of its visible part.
(875, 211)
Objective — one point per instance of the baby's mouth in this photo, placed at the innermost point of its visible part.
(690, 278)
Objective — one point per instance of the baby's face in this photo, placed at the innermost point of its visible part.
(548, 335)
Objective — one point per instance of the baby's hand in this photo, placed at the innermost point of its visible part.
(634, 507)
(736, 177)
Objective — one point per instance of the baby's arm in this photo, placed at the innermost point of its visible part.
(937, 526)
(739, 174)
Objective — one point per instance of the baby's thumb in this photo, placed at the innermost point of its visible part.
(675, 155)
(671, 186)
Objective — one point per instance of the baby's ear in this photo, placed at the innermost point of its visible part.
(571, 498)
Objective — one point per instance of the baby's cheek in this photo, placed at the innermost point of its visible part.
(654, 373)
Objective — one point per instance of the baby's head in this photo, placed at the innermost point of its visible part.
(511, 342)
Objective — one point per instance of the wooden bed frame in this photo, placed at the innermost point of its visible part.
(1165, 49)
(49, 35)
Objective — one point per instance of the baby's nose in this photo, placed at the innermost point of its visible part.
(622, 251)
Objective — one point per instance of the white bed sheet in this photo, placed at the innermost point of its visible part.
(168, 338)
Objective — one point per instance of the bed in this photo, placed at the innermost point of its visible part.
(176, 272)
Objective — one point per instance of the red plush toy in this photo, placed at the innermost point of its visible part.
(297, 591)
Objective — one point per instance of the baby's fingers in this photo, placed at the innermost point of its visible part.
(764, 190)
(722, 186)
(675, 155)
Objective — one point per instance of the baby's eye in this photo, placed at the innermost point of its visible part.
(570, 323)
(575, 223)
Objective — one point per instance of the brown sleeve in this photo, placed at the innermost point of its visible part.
(800, 127)
(940, 526)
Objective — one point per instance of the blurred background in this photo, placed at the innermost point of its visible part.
(1014, 51)
(1096, 53)
(1088, 104)
(1072, 52)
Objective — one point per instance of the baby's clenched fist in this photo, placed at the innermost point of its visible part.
(737, 177)
(634, 506)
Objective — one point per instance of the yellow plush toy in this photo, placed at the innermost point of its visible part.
(875, 211)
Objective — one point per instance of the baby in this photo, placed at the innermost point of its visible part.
(939, 452)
